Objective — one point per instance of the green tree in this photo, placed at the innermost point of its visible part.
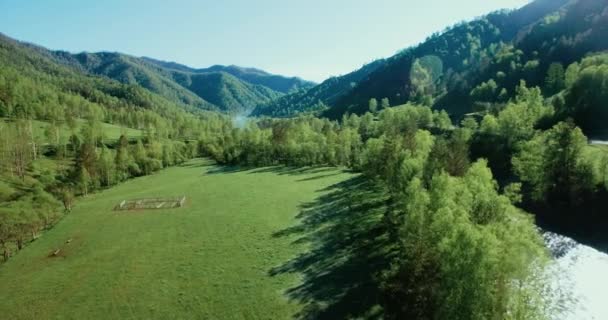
(107, 167)
(555, 80)
(122, 160)
(384, 104)
(554, 166)
(373, 105)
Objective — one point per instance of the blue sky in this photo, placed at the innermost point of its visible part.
(311, 39)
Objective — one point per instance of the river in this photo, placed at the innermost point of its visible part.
(581, 273)
(598, 142)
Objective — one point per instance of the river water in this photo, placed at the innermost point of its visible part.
(598, 142)
(581, 273)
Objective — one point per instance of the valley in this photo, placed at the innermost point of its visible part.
(212, 258)
(461, 176)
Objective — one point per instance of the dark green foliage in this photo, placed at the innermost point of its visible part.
(251, 75)
(319, 97)
(472, 66)
(229, 89)
(554, 166)
(207, 89)
(586, 95)
(446, 238)
(228, 92)
(555, 81)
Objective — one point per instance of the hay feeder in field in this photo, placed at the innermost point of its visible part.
(151, 203)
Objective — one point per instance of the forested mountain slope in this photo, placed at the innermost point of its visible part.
(207, 90)
(252, 75)
(33, 86)
(318, 97)
(228, 89)
(503, 46)
(471, 66)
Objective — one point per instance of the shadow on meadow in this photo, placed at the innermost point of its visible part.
(347, 252)
(278, 169)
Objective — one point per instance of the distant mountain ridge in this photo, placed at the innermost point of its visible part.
(252, 75)
(218, 88)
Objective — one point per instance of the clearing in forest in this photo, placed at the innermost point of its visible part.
(219, 258)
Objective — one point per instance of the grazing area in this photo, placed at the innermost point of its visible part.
(219, 257)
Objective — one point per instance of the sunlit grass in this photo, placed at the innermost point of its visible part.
(209, 260)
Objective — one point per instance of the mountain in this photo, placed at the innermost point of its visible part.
(219, 88)
(318, 97)
(214, 90)
(252, 75)
(450, 70)
(505, 47)
(33, 85)
(132, 70)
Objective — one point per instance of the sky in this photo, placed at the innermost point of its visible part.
(312, 39)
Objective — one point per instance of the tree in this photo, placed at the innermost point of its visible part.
(442, 120)
(141, 157)
(586, 97)
(17, 148)
(107, 168)
(458, 243)
(554, 166)
(384, 104)
(373, 105)
(518, 120)
(485, 92)
(122, 160)
(8, 231)
(67, 198)
(555, 80)
(83, 179)
(571, 74)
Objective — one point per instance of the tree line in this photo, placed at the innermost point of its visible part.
(464, 248)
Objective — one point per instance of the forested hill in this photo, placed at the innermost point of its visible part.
(275, 82)
(228, 89)
(318, 97)
(452, 70)
(502, 47)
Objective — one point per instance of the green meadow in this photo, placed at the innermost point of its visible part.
(219, 256)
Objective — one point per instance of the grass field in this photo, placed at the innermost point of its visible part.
(228, 254)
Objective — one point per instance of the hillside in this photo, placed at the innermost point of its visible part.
(219, 88)
(464, 178)
(504, 47)
(319, 97)
(34, 86)
(210, 90)
(252, 75)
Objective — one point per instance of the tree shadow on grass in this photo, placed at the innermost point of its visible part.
(219, 169)
(321, 176)
(283, 170)
(278, 169)
(348, 249)
(198, 163)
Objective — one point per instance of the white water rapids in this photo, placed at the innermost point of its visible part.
(581, 273)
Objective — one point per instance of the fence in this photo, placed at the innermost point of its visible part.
(151, 203)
